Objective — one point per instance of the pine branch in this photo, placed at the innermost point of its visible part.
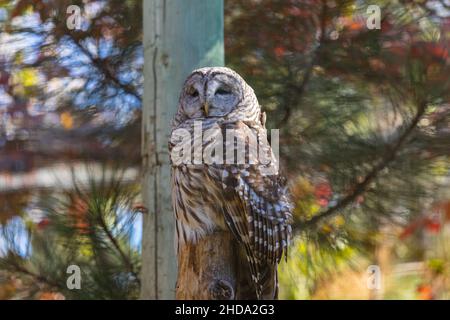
(300, 89)
(116, 246)
(359, 188)
(100, 66)
(38, 278)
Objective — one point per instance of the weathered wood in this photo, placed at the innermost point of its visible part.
(179, 36)
(207, 270)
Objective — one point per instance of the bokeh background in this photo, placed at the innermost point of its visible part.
(364, 116)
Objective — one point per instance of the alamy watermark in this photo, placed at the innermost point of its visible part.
(73, 21)
(237, 147)
(74, 280)
(373, 277)
(374, 18)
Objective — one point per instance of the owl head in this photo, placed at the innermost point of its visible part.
(216, 93)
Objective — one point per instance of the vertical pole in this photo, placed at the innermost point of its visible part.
(179, 36)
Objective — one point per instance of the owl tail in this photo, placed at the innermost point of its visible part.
(266, 285)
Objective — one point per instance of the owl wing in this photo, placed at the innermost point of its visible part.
(257, 206)
(260, 209)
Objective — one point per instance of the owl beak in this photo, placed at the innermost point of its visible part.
(206, 108)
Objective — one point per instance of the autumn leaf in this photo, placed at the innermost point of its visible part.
(51, 296)
(425, 292)
(279, 51)
(66, 120)
(27, 77)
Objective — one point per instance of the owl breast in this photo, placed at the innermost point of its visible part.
(196, 202)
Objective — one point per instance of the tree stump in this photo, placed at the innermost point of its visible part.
(207, 269)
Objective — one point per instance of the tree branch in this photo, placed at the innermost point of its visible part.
(99, 65)
(360, 187)
(300, 89)
(39, 278)
(116, 246)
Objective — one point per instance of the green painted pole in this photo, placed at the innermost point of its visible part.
(179, 36)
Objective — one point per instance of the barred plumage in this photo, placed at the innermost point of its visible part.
(249, 198)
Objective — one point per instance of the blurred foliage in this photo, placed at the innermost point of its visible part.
(365, 140)
(90, 226)
(364, 118)
(59, 85)
(69, 97)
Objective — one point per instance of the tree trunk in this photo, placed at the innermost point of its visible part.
(207, 270)
(179, 36)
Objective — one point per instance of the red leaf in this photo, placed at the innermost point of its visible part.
(279, 51)
(323, 190)
(43, 223)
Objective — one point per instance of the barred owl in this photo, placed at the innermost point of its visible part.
(248, 198)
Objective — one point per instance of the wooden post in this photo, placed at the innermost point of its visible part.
(179, 36)
(207, 269)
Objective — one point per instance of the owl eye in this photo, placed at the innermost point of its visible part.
(193, 92)
(223, 92)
